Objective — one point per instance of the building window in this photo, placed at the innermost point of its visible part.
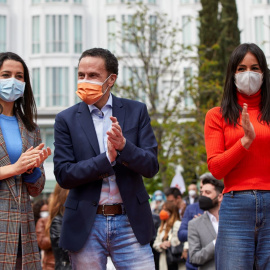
(76, 98)
(186, 30)
(257, 1)
(47, 137)
(56, 33)
(135, 78)
(77, 1)
(259, 31)
(111, 24)
(77, 34)
(35, 1)
(184, 1)
(35, 35)
(187, 84)
(3, 1)
(36, 85)
(3, 35)
(153, 32)
(152, 1)
(57, 86)
(56, 0)
(127, 37)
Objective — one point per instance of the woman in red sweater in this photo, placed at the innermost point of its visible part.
(237, 139)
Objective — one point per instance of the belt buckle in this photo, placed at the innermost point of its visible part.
(103, 210)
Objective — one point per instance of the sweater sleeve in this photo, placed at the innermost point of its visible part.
(220, 160)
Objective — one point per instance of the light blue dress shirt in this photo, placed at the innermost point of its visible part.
(110, 193)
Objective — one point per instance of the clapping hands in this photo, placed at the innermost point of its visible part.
(32, 158)
(249, 133)
(116, 141)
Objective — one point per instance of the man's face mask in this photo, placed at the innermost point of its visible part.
(207, 203)
(90, 91)
(248, 82)
(11, 89)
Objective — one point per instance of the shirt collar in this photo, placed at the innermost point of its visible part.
(108, 104)
(211, 217)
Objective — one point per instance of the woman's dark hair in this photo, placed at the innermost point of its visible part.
(230, 109)
(36, 208)
(24, 106)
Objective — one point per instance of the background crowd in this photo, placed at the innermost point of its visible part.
(193, 243)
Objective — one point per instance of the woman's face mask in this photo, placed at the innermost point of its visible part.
(90, 91)
(11, 89)
(248, 82)
(164, 215)
(44, 214)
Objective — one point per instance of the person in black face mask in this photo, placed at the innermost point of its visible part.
(202, 231)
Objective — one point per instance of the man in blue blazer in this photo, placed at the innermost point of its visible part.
(103, 147)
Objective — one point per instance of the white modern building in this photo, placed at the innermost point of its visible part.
(50, 35)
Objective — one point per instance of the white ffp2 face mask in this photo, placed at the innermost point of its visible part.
(192, 193)
(248, 82)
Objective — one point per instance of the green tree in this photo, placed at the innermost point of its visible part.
(219, 35)
(150, 52)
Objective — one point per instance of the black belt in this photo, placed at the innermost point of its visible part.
(247, 192)
(111, 209)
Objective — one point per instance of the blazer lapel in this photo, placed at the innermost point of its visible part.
(24, 134)
(118, 111)
(86, 122)
(4, 160)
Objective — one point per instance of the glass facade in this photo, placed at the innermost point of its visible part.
(128, 45)
(56, 33)
(56, 0)
(259, 38)
(153, 32)
(3, 35)
(47, 137)
(186, 30)
(187, 84)
(36, 85)
(111, 28)
(77, 34)
(35, 34)
(57, 88)
(76, 98)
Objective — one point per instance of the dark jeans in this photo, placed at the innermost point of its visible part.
(244, 231)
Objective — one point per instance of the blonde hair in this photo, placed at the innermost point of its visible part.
(174, 215)
(56, 205)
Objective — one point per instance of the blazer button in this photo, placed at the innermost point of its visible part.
(94, 203)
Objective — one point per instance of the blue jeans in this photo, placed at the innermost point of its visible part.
(243, 240)
(112, 236)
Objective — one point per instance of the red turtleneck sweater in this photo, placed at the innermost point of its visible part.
(241, 169)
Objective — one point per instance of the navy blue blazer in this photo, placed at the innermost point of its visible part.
(80, 167)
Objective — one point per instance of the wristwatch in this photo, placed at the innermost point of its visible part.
(118, 154)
